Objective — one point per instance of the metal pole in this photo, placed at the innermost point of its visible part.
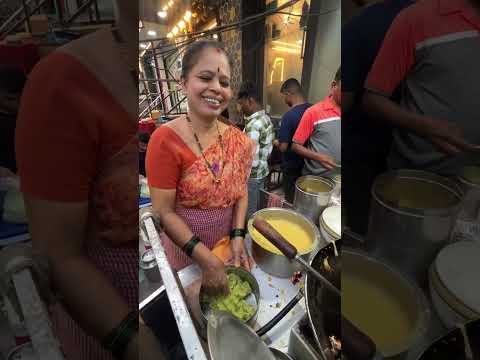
(157, 70)
(27, 16)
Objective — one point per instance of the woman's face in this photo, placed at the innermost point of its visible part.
(207, 85)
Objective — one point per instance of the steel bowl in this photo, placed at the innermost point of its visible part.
(280, 355)
(279, 265)
(253, 299)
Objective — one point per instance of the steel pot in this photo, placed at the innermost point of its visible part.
(276, 264)
(412, 216)
(310, 201)
(148, 264)
(360, 268)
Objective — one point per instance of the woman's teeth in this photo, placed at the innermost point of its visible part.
(212, 101)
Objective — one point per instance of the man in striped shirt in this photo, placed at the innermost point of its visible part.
(259, 128)
(318, 137)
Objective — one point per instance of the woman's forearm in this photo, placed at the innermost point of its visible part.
(88, 295)
(180, 234)
(239, 212)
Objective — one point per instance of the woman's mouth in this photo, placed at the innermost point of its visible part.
(212, 102)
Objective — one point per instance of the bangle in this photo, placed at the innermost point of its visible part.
(190, 245)
(237, 232)
(118, 339)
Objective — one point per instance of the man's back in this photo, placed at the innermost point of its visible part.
(320, 129)
(290, 121)
(432, 51)
(259, 128)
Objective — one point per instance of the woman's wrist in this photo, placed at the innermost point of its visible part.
(237, 232)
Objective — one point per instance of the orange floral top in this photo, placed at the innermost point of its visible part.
(171, 164)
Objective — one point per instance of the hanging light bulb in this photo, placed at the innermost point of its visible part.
(162, 14)
(169, 35)
(188, 15)
(181, 24)
(175, 30)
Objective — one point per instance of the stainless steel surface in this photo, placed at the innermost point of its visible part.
(280, 355)
(410, 238)
(230, 339)
(279, 265)
(300, 348)
(312, 204)
(401, 288)
(173, 287)
(254, 299)
(36, 316)
(319, 276)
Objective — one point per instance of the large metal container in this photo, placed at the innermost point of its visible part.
(470, 182)
(368, 308)
(412, 216)
(275, 264)
(312, 195)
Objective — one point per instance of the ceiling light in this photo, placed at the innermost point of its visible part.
(175, 30)
(170, 3)
(152, 33)
(162, 14)
(215, 36)
(181, 25)
(188, 15)
(165, 8)
(169, 35)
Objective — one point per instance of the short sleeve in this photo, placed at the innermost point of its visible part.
(56, 136)
(305, 128)
(163, 163)
(395, 58)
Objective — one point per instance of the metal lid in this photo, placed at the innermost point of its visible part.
(148, 260)
(458, 268)
(230, 339)
(331, 221)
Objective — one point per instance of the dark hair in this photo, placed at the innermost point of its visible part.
(12, 79)
(193, 52)
(248, 90)
(292, 86)
(338, 75)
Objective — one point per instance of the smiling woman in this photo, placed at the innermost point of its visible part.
(197, 169)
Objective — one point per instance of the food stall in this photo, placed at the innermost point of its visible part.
(170, 304)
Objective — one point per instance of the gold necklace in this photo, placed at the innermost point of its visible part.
(216, 167)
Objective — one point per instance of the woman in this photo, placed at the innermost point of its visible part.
(77, 152)
(197, 169)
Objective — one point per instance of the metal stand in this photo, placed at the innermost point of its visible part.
(173, 287)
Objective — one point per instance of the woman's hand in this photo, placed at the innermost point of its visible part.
(214, 277)
(240, 253)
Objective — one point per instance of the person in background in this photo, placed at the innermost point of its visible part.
(366, 142)
(432, 50)
(12, 81)
(143, 140)
(259, 128)
(318, 137)
(77, 156)
(292, 163)
(197, 171)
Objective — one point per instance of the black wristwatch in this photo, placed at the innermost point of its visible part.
(237, 232)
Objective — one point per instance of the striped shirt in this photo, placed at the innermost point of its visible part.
(320, 131)
(259, 128)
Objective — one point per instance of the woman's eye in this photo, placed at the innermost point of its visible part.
(224, 84)
(204, 78)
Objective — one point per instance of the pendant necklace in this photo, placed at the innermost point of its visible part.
(215, 168)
